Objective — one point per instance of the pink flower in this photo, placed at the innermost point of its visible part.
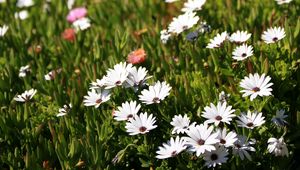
(136, 57)
(76, 14)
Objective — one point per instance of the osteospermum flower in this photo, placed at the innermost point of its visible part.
(278, 119)
(156, 93)
(219, 113)
(239, 37)
(193, 5)
(180, 124)
(76, 14)
(273, 35)
(256, 85)
(96, 97)
(3, 30)
(24, 70)
(64, 110)
(251, 120)
(24, 3)
(127, 111)
(98, 84)
(22, 15)
(216, 157)
(242, 146)
(82, 24)
(242, 52)
(117, 76)
(201, 138)
(183, 22)
(52, 74)
(140, 124)
(136, 78)
(277, 147)
(164, 36)
(223, 97)
(281, 2)
(26, 96)
(226, 139)
(171, 149)
(218, 40)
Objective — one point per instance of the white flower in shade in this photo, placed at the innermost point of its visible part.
(164, 36)
(82, 24)
(251, 120)
(136, 78)
(127, 111)
(216, 157)
(278, 119)
(239, 37)
(170, 1)
(256, 85)
(117, 76)
(24, 70)
(24, 3)
(180, 124)
(193, 5)
(280, 2)
(223, 97)
(226, 139)
(201, 138)
(22, 15)
(273, 35)
(64, 110)
(219, 113)
(277, 147)
(171, 149)
(156, 93)
(95, 98)
(3, 30)
(26, 96)
(52, 74)
(218, 40)
(242, 52)
(98, 84)
(140, 124)
(183, 22)
(242, 146)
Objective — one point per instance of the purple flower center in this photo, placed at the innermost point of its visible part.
(222, 141)
(98, 101)
(155, 100)
(250, 124)
(275, 39)
(244, 55)
(174, 153)
(201, 142)
(256, 89)
(213, 157)
(118, 83)
(218, 118)
(142, 129)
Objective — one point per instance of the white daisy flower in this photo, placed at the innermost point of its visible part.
(136, 78)
(170, 1)
(95, 98)
(22, 15)
(183, 22)
(201, 138)
(140, 124)
(256, 85)
(239, 37)
(3, 30)
(242, 52)
(98, 84)
(52, 74)
(82, 24)
(127, 111)
(281, 2)
(218, 40)
(24, 3)
(156, 93)
(216, 157)
(193, 5)
(242, 146)
(250, 120)
(219, 113)
(171, 149)
(226, 139)
(26, 96)
(117, 76)
(164, 36)
(223, 97)
(64, 110)
(24, 70)
(278, 147)
(180, 124)
(273, 35)
(278, 119)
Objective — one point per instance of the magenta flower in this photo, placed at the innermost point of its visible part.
(76, 14)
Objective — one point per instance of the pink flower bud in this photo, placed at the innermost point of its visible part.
(136, 57)
(76, 14)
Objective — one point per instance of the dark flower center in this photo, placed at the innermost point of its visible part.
(238, 146)
(118, 82)
(98, 101)
(213, 157)
(142, 129)
(244, 55)
(275, 39)
(222, 141)
(155, 100)
(185, 27)
(256, 89)
(174, 153)
(201, 142)
(218, 118)
(129, 116)
(250, 124)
